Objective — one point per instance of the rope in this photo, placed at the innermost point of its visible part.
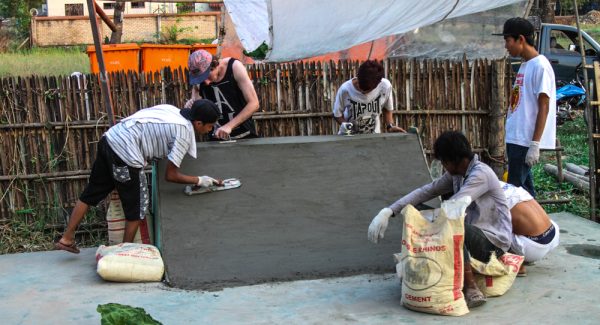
(497, 159)
(451, 10)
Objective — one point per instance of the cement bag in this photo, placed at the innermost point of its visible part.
(432, 259)
(129, 262)
(115, 218)
(498, 275)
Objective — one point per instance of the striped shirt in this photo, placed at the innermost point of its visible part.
(140, 142)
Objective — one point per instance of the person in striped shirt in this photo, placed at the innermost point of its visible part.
(162, 131)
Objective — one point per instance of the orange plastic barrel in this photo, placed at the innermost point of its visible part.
(156, 57)
(117, 57)
(210, 48)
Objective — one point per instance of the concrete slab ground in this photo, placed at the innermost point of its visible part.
(60, 288)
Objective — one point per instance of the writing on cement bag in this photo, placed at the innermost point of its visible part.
(129, 262)
(115, 218)
(431, 260)
(498, 275)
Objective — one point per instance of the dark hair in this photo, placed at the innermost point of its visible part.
(369, 75)
(452, 147)
(528, 39)
(202, 110)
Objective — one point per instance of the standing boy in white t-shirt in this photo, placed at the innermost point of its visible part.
(361, 101)
(531, 117)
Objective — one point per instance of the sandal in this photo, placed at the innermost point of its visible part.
(474, 297)
(69, 248)
(522, 271)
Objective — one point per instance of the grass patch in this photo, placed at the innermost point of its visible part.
(592, 30)
(44, 61)
(573, 138)
(17, 235)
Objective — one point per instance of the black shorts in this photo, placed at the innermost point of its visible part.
(110, 172)
(478, 246)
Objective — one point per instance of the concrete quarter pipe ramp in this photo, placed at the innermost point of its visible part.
(302, 211)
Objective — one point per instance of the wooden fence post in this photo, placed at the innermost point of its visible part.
(33, 31)
(496, 145)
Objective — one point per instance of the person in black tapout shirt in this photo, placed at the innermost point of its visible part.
(226, 83)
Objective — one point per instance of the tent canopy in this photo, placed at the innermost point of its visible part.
(299, 29)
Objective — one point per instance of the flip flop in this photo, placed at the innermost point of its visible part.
(522, 271)
(474, 297)
(69, 248)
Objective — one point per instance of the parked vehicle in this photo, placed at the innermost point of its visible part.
(569, 96)
(560, 45)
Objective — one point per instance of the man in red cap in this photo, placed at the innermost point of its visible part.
(226, 83)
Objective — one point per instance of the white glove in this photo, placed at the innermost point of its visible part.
(206, 181)
(189, 103)
(379, 225)
(533, 154)
(345, 128)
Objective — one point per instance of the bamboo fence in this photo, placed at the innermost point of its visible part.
(49, 126)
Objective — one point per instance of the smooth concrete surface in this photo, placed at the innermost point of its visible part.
(60, 288)
(301, 213)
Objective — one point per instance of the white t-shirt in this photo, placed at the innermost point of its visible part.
(534, 77)
(364, 110)
(514, 194)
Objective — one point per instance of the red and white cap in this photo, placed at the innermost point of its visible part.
(199, 66)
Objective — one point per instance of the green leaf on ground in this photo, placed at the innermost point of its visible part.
(117, 314)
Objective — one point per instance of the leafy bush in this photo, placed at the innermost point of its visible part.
(171, 34)
(260, 53)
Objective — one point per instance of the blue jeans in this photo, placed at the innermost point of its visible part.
(519, 173)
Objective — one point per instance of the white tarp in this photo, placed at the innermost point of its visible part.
(296, 29)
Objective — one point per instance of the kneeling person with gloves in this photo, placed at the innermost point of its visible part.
(125, 149)
(488, 227)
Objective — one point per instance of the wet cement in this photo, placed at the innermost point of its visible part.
(302, 211)
(585, 250)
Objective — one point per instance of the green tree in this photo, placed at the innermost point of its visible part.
(15, 8)
(567, 8)
(547, 10)
(19, 10)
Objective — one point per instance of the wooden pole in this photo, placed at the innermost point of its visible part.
(590, 122)
(32, 32)
(221, 35)
(576, 169)
(105, 83)
(496, 144)
(578, 182)
(104, 17)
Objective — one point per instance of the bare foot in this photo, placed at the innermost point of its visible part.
(474, 297)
